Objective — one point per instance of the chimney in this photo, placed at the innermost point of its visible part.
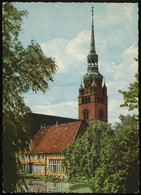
(41, 125)
(56, 123)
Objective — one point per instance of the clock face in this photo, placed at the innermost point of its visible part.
(87, 85)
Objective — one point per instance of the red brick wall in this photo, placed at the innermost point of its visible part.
(98, 100)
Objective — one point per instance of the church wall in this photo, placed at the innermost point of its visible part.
(89, 107)
(93, 109)
(104, 108)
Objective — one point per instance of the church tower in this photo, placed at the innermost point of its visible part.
(93, 99)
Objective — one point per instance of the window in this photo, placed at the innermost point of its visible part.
(30, 168)
(88, 99)
(35, 168)
(40, 156)
(22, 167)
(38, 168)
(26, 168)
(101, 114)
(42, 168)
(55, 166)
(32, 156)
(86, 114)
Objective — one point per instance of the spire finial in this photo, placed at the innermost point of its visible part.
(103, 80)
(104, 86)
(81, 86)
(92, 44)
(92, 10)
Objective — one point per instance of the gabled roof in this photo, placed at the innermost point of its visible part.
(38, 119)
(53, 138)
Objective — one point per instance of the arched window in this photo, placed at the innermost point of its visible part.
(86, 114)
(100, 114)
(88, 99)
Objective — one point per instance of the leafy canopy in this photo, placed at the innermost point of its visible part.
(130, 97)
(23, 69)
(107, 158)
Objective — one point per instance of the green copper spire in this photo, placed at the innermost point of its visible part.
(92, 44)
(92, 58)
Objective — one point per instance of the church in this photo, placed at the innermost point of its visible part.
(51, 134)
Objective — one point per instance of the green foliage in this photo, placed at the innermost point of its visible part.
(82, 157)
(107, 158)
(130, 97)
(118, 160)
(23, 69)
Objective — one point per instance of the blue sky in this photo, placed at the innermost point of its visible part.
(63, 31)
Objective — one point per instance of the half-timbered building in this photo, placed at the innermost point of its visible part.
(45, 157)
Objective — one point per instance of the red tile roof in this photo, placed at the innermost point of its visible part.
(52, 139)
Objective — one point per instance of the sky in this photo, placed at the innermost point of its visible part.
(63, 31)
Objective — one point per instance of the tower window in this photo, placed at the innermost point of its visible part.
(86, 114)
(100, 114)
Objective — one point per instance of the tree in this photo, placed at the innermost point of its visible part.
(23, 69)
(118, 160)
(82, 157)
(130, 97)
(107, 158)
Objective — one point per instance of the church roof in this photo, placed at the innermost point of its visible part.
(38, 119)
(53, 138)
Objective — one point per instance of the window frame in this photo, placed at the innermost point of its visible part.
(55, 166)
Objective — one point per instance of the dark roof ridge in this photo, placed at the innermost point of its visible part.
(65, 123)
(54, 116)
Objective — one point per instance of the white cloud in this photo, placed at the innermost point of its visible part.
(130, 52)
(77, 47)
(56, 48)
(68, 53)
(65, 109)
(116, 13)
(120, 75)
(128, 67)
(129, 12)
(115, 110)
